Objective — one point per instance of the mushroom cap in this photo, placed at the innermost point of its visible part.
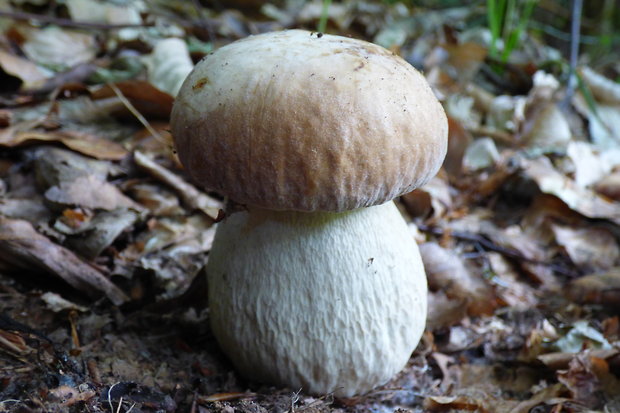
(295, 120)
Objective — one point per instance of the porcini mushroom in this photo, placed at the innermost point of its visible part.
(317, 283)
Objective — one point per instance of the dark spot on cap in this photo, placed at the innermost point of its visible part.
(201, 82)
(319, 35)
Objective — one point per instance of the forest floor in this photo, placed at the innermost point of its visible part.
(103, 237)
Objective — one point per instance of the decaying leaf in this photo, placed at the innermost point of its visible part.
(59, 48)
(601, 288)
(481, 153)
(604, 90)
(609, 186)
(446, 271)
(146, 98)
(589, 380)
(101, 231)
(79, 141)
(169, 65)
(29, 73)
(95, 11)
(89, 192)
(590, 248)
(582, 200)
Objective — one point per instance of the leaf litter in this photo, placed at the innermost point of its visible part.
(103, 238)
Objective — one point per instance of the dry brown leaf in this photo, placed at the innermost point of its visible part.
(89, 192)
(24, 69)
(147, 99)
(590, 248)
(450, 403)
(603, 289)
(547, 127)
(508, 285)
(23, 247)
(589, 380)
(446, 271)
(58, 47)
(443, 311)
(609, 186)
(458, 140)
(84, 143)
(581, 200)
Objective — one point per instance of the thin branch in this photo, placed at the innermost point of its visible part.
(59, 21)
(137, 114)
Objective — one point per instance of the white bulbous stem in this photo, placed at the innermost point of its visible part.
(326, 302)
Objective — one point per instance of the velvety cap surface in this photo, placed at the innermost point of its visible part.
(295, 120)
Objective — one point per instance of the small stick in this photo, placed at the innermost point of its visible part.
(18, 15)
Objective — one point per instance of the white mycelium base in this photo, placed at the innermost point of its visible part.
(326, 302)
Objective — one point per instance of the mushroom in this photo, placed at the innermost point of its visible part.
(317, 283)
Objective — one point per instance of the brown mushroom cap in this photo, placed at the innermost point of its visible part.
(295, 120)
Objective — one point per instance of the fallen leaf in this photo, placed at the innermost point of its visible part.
(57, 47)
(147, 99)
(100, 12)
(446, 271)
(547, 128)
(84, 143)
(480, 154)
(169, 65)
(603, 89)
(582, 200)
(602, 289)
(609, 186)
(590, 248)
(57, 304)
(89, 192)
(29, 73)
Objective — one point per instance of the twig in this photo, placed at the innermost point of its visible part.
(21, 246)
(190, 195)
(18, 15)
(575, 31)
(110, 397)
(136, 113)
(491, 246)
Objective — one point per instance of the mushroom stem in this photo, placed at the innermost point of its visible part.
(329, 302)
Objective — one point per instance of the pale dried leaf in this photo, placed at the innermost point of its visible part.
(582, 200)
(89, 192)
(591, 165)
(547, 127)
(168, 65)
(446, 271)
(104, 12)
(59, 48)
(604, 126)
(609, 186)
(84, 143)
(57, 304)
(481, 153)
(590, 248)
(604, 90)
(508, 285)
(602, 289)
(29, 73)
